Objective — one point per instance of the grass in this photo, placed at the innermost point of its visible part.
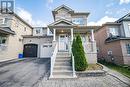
(125, 70)
(94, 67)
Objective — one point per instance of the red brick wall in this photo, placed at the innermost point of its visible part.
(115, 47)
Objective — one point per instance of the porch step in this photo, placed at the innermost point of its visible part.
(62, 77)
(63, 60)
(62, 67)
(62, 63)
(63, 53)
(62, 72)
(65, 56)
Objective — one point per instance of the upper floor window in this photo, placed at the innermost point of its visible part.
(79, 21)
(38, 31)
(129, 26)
(128, 48)
(113, 32)
(25, 28)
(3, 20)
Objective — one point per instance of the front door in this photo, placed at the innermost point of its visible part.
(63, 42)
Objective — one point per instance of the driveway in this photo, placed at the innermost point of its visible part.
(25, 73)
(35, 73)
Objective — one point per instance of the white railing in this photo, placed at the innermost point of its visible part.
(73, 62)
(73, 66)
(53, 57)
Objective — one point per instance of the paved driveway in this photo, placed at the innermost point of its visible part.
(34, 73)
(24, 74)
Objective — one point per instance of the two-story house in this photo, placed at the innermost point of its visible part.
(55, 40)
(67, 24)
(113, 41)
(12, 27)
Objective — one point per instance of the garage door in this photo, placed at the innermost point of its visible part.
(46, 51)
(30, 50)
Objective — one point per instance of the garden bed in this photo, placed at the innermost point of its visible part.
(92, 70)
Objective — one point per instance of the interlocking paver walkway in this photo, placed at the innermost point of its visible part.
(105, 81)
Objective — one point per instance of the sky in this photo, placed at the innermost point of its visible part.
(39, 12)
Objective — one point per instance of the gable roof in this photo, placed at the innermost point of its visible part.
(61, 21)
(124, 18)
(62, 6)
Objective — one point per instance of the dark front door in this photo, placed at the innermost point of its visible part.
(30, 50)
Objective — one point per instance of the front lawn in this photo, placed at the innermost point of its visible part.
(125, 70)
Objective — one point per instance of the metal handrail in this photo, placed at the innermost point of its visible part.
(73, 63)
(53, 57)
(73, 66)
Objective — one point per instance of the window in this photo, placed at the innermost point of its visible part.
(2, 40)
(129, 26)
(3, 20)
(109, 52)
(113, 32)
(79, 21)
(24, 28)
(128, 48)
(37, 31)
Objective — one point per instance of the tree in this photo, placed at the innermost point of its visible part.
(79, 54)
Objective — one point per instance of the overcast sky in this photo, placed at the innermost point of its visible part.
(39, 12)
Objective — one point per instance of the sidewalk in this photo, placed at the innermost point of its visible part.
(117, 75)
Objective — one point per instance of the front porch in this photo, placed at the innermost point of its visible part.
(63, 34)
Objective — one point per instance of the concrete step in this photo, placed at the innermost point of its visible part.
(63, 77)
(63, 72)
(63, 56)
(63, 63)
(63, 60)
(61, 53)
(62, 67)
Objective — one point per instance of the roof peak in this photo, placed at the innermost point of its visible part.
(63, 6)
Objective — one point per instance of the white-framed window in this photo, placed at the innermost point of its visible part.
(128, 48)
(3, 39)
(3, 20)
(113, 32)
(109, 52)
(80, 21)
(25, 28)
(129, 27)
(38, 31)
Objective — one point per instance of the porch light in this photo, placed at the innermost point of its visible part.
(62, 31)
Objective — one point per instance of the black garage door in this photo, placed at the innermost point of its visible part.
(30, 50)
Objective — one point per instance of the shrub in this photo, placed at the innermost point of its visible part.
(79, 54)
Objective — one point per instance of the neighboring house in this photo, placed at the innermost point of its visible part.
(12, 27)
(113, 41)
(67, 24)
